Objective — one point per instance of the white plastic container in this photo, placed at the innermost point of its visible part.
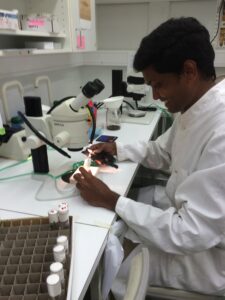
(35, 22)
(46, 45)
(9, 19)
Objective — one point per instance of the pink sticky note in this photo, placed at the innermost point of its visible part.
(81, 42)
(36, 22)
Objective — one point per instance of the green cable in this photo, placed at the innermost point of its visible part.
(2, 131)
(26, 174)
(16, 176)
(166, 114)
(164, 111)
(75, 166)
(20, 162)
(15, 164)
(30, 173)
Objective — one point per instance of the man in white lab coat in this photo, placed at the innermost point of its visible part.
(184, 227)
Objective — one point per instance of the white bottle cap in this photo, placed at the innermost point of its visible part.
(53, 216)
(63, 204)
(54, 285)
(63, 240)
(57, 268)
(63, 213)
(59, 253)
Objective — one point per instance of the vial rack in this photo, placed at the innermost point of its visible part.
(26, 253)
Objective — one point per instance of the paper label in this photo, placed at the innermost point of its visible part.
(81, 42)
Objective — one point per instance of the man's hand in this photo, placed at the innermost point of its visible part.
(107, 147)
(94, 191)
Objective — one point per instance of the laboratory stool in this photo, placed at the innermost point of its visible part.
(138, 276)
(137, 285)
(134, 286)
(174, 294)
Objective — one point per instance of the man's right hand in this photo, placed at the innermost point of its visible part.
(100, 147)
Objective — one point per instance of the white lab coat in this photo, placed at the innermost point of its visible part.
(187, 239)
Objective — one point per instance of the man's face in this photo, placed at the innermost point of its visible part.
(172, 89)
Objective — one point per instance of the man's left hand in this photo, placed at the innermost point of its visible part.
(94, 191)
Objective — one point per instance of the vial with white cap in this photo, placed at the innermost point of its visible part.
(57, 268)
(63, 214)
(53, 219)
(54, 286)
(59, 253)
(63, 240)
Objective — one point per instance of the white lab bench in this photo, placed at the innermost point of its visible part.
(91, 223)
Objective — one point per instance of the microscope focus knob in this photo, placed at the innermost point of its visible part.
(62, 139)
(33, 142)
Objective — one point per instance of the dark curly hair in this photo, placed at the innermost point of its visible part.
(168, 46)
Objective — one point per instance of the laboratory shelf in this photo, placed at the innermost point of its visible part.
(32, 33)
(50, 51)
(23, 52)
(71, 32)
(58, 10)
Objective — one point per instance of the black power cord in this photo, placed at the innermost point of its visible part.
(41, 137)
(59, 102)
(93, 124)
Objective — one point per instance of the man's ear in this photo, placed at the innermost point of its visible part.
(190, 70)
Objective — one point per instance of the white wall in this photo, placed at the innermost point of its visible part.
(64, 83)
(121, 26)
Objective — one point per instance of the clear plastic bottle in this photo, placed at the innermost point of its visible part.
(113, 119)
